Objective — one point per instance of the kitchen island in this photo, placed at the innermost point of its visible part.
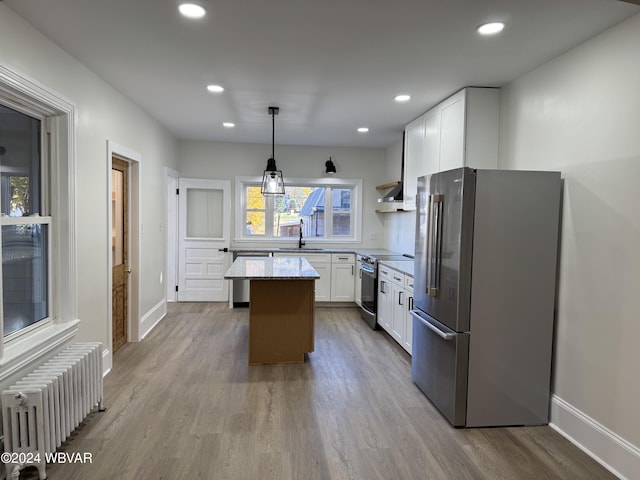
(281, 307)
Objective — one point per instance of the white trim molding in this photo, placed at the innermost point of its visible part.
(25, 94)
(152, 318)
(135, 237)
(606, 447)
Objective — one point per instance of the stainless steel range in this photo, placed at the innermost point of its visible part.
(369, 277)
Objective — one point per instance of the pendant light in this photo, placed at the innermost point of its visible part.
(272, 181)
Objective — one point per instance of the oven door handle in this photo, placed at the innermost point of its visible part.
(367, 269)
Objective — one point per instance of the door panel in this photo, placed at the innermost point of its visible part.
(439, 367)
(119, 250)
(445, 246)
(204, 237)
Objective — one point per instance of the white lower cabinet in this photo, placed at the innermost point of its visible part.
(321, 262)
(384, 314)
(343, 274)
(395, 301)
(337, 282)
(358, 285)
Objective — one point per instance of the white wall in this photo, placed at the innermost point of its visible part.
(399, 227)
(222, 160)
(580, 114)
(102, 114)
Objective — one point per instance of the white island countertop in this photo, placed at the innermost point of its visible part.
(272, 268)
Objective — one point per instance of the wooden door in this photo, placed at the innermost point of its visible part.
(119, 250)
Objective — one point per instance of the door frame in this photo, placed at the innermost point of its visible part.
(134, 159)
(172, 179)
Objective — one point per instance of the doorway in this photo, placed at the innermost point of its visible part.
(120, 269)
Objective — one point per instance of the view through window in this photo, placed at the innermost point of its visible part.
(326, 211)
(25, 228)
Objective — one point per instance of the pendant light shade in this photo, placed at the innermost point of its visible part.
(272, 180)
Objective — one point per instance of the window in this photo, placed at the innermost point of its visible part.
(25, 224)
(326, 210)
(37, 220)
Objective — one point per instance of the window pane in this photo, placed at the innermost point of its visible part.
(254, 223)
(255, 218)
(24, 275)
(19, 163)
(341, 212)
(117, 216)
(306, 203)
(204, 213)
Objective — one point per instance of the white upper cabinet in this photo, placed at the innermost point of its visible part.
(461, 131)
(414, 154)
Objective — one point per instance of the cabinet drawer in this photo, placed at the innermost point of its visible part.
(317, 257)
(343, 258)
(385, 273)
(397, 277)
(408, 282)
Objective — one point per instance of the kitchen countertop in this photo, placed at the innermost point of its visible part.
(272, 268)
(305, 250)
(402, 266)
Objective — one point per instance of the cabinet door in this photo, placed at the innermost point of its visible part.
(384, 304)
(414, 149)
(397, 312)
(408, 321)
(342, 282)
(358, 290)
(432, 142)
(452, 132)
(323, 284)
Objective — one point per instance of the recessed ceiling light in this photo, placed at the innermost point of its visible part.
(490, 28)
(215, 88)
(192, 10)
(402, 98)
(363, 129)
(228, 124)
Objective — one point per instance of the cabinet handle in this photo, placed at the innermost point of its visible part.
(410, 304)
(397, 279)
(352, 271)
(400, 298)
(382, 283)
(384, 271)
(343, 258)
(360, 273)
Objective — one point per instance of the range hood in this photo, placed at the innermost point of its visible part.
(393, 198)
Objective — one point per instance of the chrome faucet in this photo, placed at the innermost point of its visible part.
(300, 242)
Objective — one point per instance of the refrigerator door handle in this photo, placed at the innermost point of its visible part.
(435, 243)
(445, 335)
(429, 246)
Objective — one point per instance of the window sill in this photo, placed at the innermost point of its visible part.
(21, 352)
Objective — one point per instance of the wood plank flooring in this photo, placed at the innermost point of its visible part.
(184, 404)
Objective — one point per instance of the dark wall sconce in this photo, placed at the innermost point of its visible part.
(331, 168)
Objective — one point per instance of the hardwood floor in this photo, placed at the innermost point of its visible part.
(184, 404)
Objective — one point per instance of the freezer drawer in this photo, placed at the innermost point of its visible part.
(439, 366)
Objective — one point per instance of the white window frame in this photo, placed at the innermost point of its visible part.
(30, 344)
(330, 183)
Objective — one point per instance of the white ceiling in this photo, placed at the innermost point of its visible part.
(330, 65)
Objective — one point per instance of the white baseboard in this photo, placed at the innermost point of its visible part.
(606, 447)
(107, 362)
(152, 318)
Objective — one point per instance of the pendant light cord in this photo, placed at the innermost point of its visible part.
(273, 134)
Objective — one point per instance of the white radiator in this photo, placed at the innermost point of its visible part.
(40, 411)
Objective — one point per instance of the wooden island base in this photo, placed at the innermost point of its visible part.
(281, 321)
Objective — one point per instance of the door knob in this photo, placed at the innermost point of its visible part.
(128, 269)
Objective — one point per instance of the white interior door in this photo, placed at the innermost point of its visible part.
(204, 231)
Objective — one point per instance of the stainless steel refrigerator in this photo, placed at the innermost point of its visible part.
(484, 294)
